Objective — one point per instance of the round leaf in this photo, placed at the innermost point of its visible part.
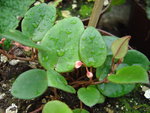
(56, 107)
(30, 84)
(92, 48)
(115, 90)
(80, 111)
(130, 74)
(120, 47)
(63, 40)
(58, 81)
(89, 96)
(10, 10)
(38, 20)
(135, 57)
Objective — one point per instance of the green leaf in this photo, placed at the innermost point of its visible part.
(92, 48)
(80, 111)
(115, 90)
(148, 8)
(120, 47)
(30, 84)
(63, 40)
(131, 74)
(58, 81)
(38, 20)
(56, 107)
(109, 40)
(104, 70)
(89, 96)
(135, 57)
(118, 2)
(10, 10)
(101, 99)
(19, 37)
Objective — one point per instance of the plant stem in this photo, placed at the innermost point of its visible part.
(97, 9)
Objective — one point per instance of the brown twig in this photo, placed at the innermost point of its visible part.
(9, 56)
(37, 110)
(97, 9)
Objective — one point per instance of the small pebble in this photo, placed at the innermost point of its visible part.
(44, 101)
(3, 58)
(147, 94)
(2, 96)
(106, 2)
(4, 85)
(14, 62)
(12, 109)
(66, 13)
(74, 6)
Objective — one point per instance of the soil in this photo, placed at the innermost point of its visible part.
(134, 102)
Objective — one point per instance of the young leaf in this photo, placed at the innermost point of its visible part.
(92, 48)
(56, 106)
(58, 81)
(10, 11)
(30, 84)
(63, 40)
(120, 47)
(89, 96)
(80, 111)
(115, 90)
(109, 40)
(38, 20)
(130, 74)
(19, 37)
(134, 57)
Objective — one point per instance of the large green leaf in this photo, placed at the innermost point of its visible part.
(30, 84)
(19, 37)
(105, 69)
(58, 81)
(63, 40)
(134, 57)
(115, 90)
(80, 111)
(92, 48)
(10, 10)
(56, 107)
(130, 74)
(109, 40)
(120, 47)
(89, 96)
(38, 20)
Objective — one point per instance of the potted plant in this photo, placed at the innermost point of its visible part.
(67, 46)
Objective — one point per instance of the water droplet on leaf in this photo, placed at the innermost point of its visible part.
(60, 52)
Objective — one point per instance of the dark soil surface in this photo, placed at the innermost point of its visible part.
(134, 102)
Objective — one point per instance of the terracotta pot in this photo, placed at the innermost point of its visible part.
(139, 28)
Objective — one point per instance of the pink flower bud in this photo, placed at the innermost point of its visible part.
(89, 74)
(78, 64)
(21, 46)
(26, 48)
(2, 40)
(16, 44)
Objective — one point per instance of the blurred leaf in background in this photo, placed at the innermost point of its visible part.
(11, 11)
